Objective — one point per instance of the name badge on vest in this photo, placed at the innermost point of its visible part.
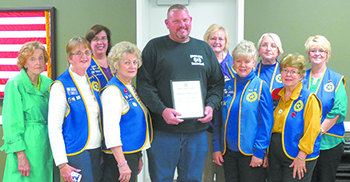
(95, 70)
(72, 91)
(129, 98)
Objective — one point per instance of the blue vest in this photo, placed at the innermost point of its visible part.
(226, 65)
(249, 104)
(326, 89)
(134, 124)
(96, 70)
(295, 120)
(274, 79)
(75, 128)
(232, 72)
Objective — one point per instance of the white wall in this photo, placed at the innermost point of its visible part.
(150, 24)
(228, 13)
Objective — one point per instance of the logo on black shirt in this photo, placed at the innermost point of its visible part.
(197, 60)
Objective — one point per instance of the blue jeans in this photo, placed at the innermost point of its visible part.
(89, 162)
(186, 151)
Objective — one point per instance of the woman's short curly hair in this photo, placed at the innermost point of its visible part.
(118, 53)
(294, 60)
(245, 49)
(27, 51)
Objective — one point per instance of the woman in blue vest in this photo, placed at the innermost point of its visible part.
(269, 49)
(296, 135)
(329, 87)
(126, 127)
(243, 135)
(74, 116)
(99, 37)
(217, 37)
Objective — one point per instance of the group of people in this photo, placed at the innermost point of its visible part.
(57, 125)
(278, 121)
(91, 120)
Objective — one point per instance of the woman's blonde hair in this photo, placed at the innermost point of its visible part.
(119, 51)
(213, 29)
(294, 60)
(319, 41)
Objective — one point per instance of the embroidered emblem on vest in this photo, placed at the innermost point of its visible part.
(329, 87)
(278, 78)
(251, 97)
(298, 106)
(95, 86)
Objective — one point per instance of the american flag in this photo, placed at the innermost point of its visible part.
(17, 28)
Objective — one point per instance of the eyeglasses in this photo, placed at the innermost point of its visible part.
(103, 39)
(291, 72)
(321, 51)
(87, 53)
(217, 39)
(265, 45)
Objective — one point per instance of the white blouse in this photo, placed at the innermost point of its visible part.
(57, 110)
(113, 105)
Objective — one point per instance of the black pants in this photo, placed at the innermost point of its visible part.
(237, 169)
(111, 171)
(279, 170)
(327, 164)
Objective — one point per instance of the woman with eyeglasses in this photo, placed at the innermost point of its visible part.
(74, 116)
(295, 139)
(243, 135)
(217, 37)
(99, 37)
(329, 87)
(269, 49)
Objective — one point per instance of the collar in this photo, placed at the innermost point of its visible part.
(295, 94)
(247, 78)
(30, 88)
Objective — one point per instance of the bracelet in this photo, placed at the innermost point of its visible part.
(62, 165)
(300, 158)
(122, 165)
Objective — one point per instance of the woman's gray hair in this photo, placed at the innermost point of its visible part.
(245, 49)
(277, 41)
(118, 53)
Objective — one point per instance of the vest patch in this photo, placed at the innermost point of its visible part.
(251, 97)
(299, 106)
(329, 87)
(278, 78)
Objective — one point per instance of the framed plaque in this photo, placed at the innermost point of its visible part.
(187, 98)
